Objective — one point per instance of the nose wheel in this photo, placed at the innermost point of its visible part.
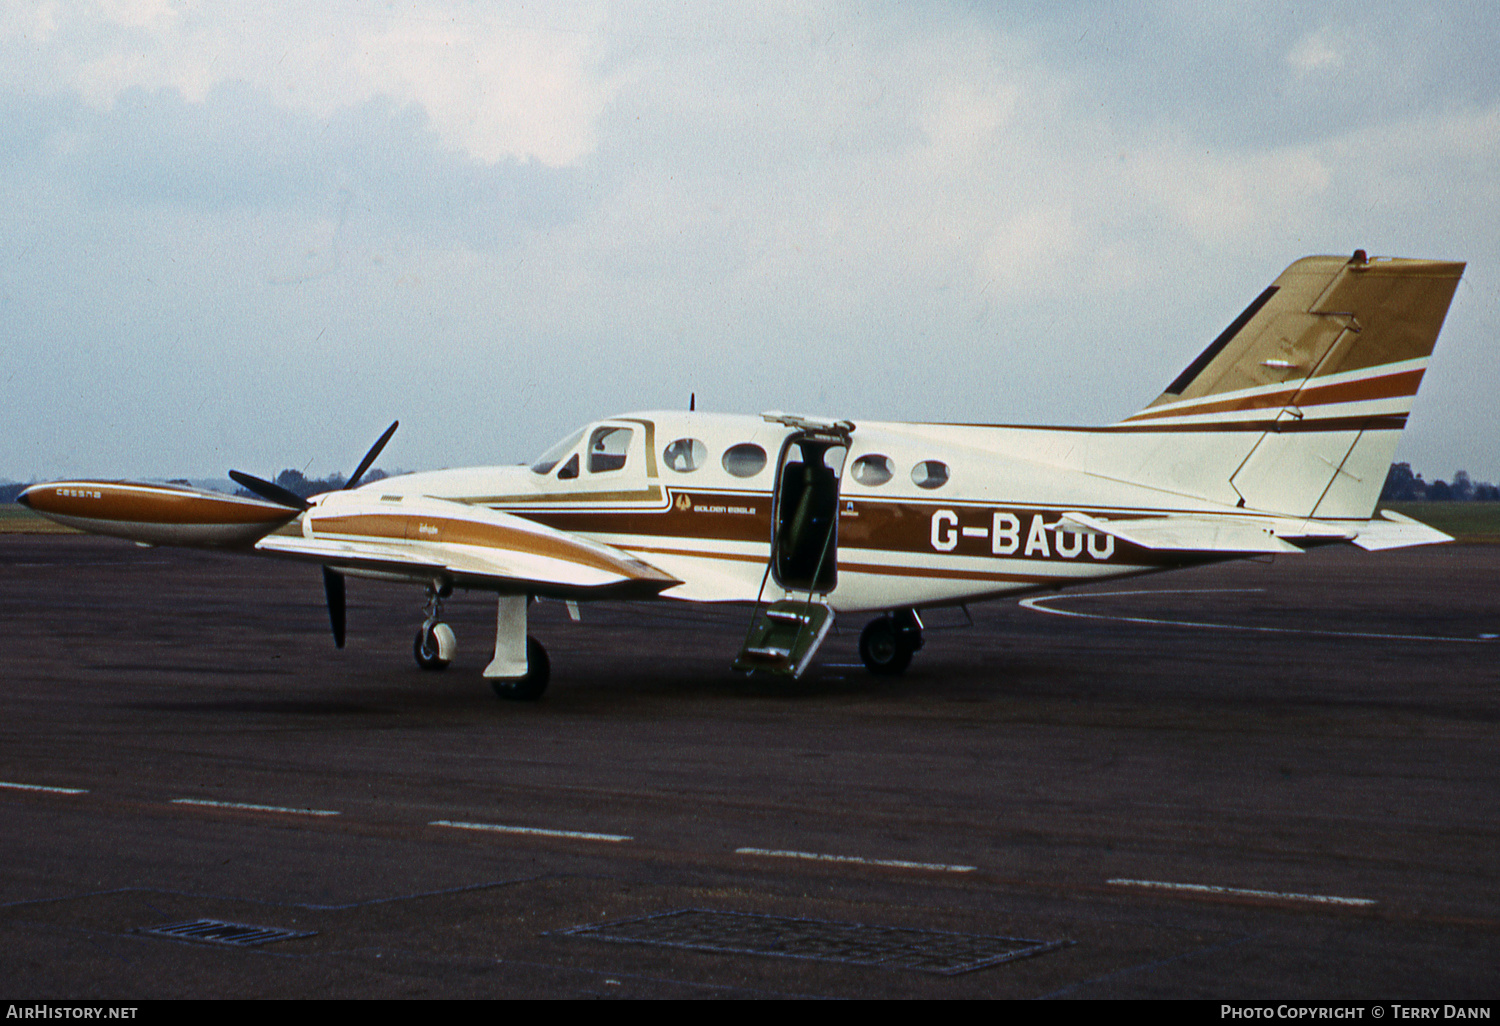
(435, 645)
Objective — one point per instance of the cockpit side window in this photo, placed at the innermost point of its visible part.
(549, 459)
(608, 447)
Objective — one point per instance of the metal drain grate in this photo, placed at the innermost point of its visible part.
(219, 932)
(888, 947)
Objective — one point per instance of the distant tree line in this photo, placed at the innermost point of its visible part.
(297, 483)
(1401, 485)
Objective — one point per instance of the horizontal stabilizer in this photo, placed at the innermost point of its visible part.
(1203, 533)
(1397, 532)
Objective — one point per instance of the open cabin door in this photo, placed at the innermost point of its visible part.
(804, 548)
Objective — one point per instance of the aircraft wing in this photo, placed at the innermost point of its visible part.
(422, 539)
(1206, 533)
(395, 537)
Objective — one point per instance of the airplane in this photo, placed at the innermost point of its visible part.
(1275, 439)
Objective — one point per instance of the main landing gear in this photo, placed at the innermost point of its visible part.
(530, 687)
(887, 644)
(520, 670)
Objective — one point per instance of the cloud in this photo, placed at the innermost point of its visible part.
(1315, 52)
(237, 149)
(496, 83)
(493, 220)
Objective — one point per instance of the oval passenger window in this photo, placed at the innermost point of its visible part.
(930, 474)
(745, 460)
(873, 470)
(685, 455)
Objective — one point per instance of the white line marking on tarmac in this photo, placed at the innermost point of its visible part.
(40, 787)
(1035, 604)
(533, 831)
(856, 860)
(1238, 892)
(253, 808)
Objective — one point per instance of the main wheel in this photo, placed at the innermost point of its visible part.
(882, 648)
(434, 648)
(538, 671)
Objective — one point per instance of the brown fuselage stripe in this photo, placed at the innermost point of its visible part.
(734, 557)
(1390, 386)
(651, 494)
(884, 569)
(1383, 422)
(873, 525)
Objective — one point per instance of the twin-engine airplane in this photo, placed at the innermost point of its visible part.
(1277, 438)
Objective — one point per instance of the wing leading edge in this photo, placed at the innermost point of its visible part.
(423, 539)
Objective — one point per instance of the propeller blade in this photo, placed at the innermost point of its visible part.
(333, 587)
(370, 456)
(267, 490)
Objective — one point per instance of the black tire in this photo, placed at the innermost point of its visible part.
(425, 651)
(883, 649)
(538, 672)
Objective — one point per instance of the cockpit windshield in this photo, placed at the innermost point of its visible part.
(547, 460)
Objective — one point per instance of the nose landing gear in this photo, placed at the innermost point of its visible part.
(887, 644)
(435, 645)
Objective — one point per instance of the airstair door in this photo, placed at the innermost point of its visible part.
(805, 512)
(804, 549)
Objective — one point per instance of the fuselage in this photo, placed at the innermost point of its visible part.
(928, 514)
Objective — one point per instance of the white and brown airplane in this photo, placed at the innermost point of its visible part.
(1277, 438)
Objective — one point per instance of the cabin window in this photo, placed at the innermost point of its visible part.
(608, 447)
(569, 469)
(930, 474)
(685, 455)
(549, 459)
(873, 470)
(745, 460)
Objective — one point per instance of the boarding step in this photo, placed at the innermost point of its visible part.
(783, 637)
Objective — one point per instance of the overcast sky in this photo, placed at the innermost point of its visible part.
(252, 234)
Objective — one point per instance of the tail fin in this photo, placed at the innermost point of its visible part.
(1320, 371)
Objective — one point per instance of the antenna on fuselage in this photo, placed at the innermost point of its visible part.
(692, 401)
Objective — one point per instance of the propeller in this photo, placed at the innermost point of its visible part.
(333, 581)
(267, 490)
(333, 588)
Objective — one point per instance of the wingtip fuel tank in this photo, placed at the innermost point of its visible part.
(156, 514)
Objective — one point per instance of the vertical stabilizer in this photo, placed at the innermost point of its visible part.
(1321, 369)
